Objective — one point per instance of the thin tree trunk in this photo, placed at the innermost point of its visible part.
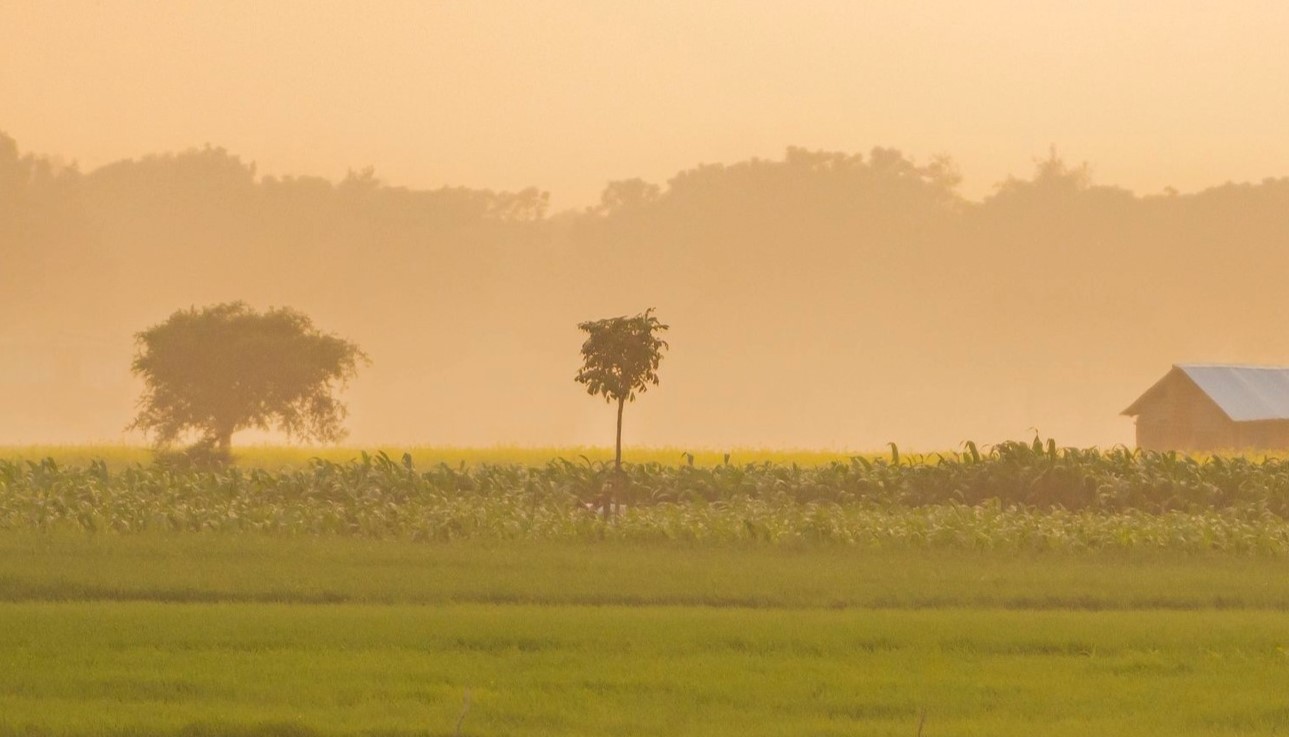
(617, 462)
(617, 455)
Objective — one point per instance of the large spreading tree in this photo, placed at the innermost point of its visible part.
(213, 371)
(620, 360)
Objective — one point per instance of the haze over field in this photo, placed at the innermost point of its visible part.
(887, 252)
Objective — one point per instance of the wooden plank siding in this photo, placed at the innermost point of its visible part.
(1177, 415)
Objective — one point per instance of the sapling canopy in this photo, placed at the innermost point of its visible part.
(620, 360)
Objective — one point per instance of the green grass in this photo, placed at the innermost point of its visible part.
(254, 568)
(160, 669)
(218, 634)
(279, 456)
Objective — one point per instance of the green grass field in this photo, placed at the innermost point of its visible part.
(333, 602)
(245, 568)
(219, 634)
(157, 669)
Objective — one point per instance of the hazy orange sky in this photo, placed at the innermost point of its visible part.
(569, 95)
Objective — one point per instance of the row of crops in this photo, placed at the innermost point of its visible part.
(1014, 496)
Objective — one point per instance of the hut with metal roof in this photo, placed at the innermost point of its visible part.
(1208, 407)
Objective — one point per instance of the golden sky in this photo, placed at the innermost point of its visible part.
(568, 95)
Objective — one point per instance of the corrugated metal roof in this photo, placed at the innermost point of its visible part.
(1244, 393)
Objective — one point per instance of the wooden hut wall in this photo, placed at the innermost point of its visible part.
(1181, 417)
(1269, 435)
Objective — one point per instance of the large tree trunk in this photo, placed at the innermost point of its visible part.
(223, 444)
(224, 440)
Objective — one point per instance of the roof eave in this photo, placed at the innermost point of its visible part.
(1134, 409)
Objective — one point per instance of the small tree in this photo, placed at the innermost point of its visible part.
(224, 368)
(620, 360)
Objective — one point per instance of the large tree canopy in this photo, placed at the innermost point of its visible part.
(216, 370)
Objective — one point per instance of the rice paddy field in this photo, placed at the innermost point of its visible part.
(1015, 590)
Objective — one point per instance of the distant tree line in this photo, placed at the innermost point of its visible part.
(858, 297)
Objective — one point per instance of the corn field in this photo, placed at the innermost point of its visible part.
(1015, 496)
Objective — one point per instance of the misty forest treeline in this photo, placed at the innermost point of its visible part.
(820, 299)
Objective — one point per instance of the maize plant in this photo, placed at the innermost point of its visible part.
(1012, 496)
